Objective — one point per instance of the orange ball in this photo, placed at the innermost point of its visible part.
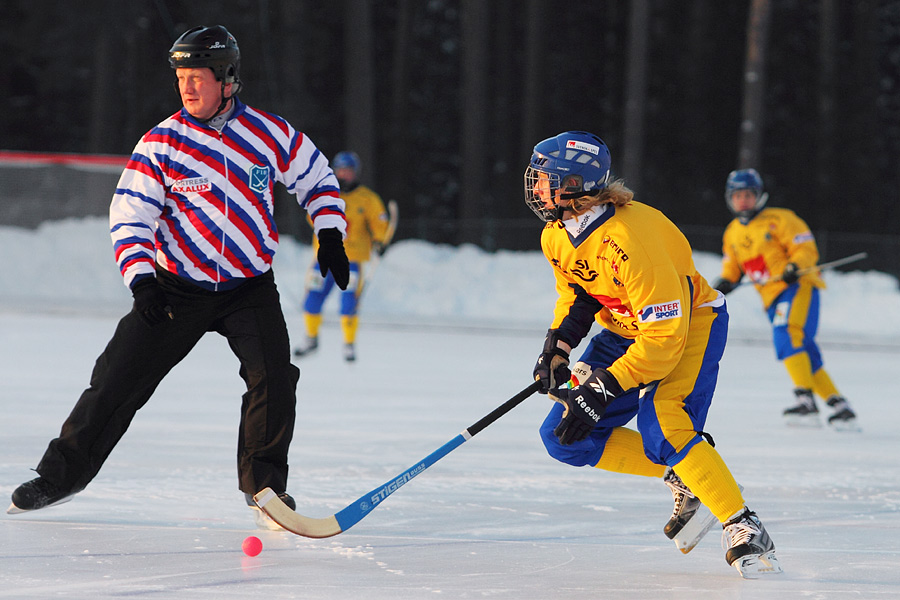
(252, 545)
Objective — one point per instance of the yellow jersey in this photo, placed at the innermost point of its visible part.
(636, 263)
(764, 246)
(367, 222)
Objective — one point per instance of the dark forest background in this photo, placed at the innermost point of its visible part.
(444, 99)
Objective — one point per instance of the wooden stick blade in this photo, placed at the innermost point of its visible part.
(269, 502)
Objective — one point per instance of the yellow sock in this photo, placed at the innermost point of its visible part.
(348, 326)
(624, 453)
(708, 477)
(800, 370)
(823, 386)
(313, 322)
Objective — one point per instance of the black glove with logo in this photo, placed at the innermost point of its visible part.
(585, 405)
(724, 286)
(150, 302)
(552, 367)
(332, 257)
(790, 275)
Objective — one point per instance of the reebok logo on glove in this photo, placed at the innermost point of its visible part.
(590, 412)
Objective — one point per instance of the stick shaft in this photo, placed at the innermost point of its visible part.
(352, 514)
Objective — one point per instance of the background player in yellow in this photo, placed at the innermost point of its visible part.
(771, 246)
(367, 231)
(656, 358)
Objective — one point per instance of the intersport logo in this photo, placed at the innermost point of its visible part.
(660, 312)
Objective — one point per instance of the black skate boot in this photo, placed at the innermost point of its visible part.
(843, 418)
(310, 346)
(748, 548)
(690, 520)
(349, 352)
(804, 413)
(262, 519)
(35, 494)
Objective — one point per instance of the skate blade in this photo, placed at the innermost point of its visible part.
(694, 530)
(758, 565)
(15, 510)
(804, 421)
(849, 425)
(263, 521)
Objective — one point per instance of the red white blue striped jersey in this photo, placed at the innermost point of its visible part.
(199, 202)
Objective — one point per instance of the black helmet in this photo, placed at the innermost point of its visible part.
(211, 47)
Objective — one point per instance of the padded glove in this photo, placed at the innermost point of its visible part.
(332, 257)
(585, 405)
(150, 302)
(552, 367)
(724, 286)
(790, 275)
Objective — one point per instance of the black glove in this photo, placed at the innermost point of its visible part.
(552, 367)
(585, 405)
(332, 257)
(724, 286)
(790, 275)
(378, 248)
(150, 302)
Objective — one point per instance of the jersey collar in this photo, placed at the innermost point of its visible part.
(581, 227)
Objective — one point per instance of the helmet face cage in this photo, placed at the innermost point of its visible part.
(568, 166)
(745, 179)
(211, 47)
(542, 192)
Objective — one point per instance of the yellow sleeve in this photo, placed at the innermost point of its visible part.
(731, 268)
(799, 244)
(376, 217)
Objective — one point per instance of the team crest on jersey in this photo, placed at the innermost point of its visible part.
(259, 178)
(194, 185)
(660, 312)
(583, 271)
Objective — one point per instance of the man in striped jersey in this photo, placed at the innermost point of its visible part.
(194, 237)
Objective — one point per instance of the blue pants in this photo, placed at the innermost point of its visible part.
(319, 287)
(794, 315)
(671, 413)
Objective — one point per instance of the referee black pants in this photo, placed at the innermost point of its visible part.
(138, 357)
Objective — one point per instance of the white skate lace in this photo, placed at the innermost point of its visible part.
(680, 492)
(738, 533)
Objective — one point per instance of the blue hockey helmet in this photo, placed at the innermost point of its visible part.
(346, 160)
(574, 163)
(745, 179)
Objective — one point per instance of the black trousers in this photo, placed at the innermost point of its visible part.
(138, 357)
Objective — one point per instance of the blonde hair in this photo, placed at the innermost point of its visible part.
(615, 193)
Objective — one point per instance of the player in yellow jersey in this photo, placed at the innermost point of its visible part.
(663, 328)
(770, 246)
(367, 228)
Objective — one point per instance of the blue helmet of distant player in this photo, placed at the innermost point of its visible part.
(346, 160)
(342, 163)
(568, 166)
(745, 179)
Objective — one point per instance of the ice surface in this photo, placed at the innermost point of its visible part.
(447, 335)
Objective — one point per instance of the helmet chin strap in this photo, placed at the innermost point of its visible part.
(222, 105)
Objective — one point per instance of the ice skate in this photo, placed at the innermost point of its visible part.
(311, 345)
(805, 413)
(349, 352)
(35, 494)
(843, 418)
(690, 520)
(748, 547)
(263, 521)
